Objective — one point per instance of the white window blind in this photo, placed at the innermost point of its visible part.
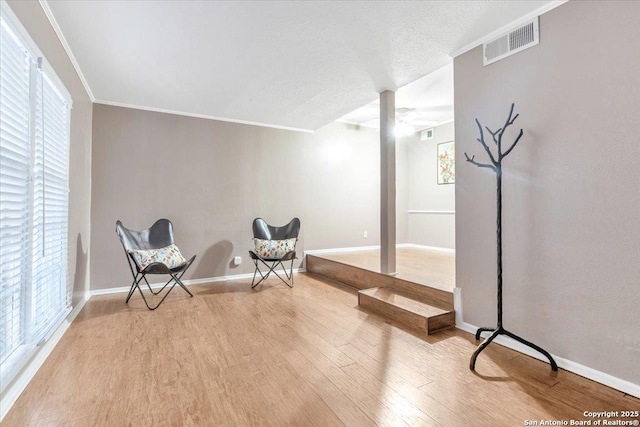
(15, 158)
(34, 176)
(50, 203)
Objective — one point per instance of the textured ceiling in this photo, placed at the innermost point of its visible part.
(421, 104)
(298, 64)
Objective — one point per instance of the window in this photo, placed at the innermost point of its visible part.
(34, 180)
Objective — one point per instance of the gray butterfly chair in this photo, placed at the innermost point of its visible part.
(264, 231)
(159, 235)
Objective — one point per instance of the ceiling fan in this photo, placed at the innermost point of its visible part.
(411, 119)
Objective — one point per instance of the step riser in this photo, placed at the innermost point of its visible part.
(364, 279)
(392, 312)
(439, 323)
(349, 275)
(428, 325)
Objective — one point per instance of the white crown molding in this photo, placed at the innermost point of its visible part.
(539, 11)
(442, 123)
(13, 391)
(198, 116)
(350, 122)
(65, 45)
(26, 40)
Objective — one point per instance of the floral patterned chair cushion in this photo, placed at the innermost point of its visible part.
(274, 249)
(169, 256)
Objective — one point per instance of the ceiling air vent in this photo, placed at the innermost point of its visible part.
(426, 134)
(523, 37)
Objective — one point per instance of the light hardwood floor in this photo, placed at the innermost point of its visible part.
(423, 266)
(279, 356)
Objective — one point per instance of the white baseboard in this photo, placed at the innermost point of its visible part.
(190, 282)
(341, 250)
(23, 379)
(457, 305)
(429, 248)
(376, 247)
(566, 364)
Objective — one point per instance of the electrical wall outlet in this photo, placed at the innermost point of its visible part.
(237, 260)
(365, 235)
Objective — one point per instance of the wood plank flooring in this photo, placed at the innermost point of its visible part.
(279, 356)
(423, 266)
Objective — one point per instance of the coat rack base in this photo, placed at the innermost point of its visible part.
(501, 331)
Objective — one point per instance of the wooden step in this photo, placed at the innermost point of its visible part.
(405, 310)
(365, 279)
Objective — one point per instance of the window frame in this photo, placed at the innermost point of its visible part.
(23, 354)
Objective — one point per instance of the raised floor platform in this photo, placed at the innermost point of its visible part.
(436, 269)
(420, 296)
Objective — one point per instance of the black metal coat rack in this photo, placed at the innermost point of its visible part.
(496, 166)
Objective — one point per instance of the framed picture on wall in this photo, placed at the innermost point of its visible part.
(447, 163)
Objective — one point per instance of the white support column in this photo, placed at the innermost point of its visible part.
(387, 182)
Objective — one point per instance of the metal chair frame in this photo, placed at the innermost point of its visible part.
(272, 269)
(162, 232)
(262, 230)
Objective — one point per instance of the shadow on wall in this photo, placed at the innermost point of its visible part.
(80, 275)
(215, 260)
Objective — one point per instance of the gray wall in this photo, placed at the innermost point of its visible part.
(212, 178)
(403, 180)
(35, 21)
(571, 191)
(424, 193)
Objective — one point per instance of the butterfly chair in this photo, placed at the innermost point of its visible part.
(274, 246)
(153, 251)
